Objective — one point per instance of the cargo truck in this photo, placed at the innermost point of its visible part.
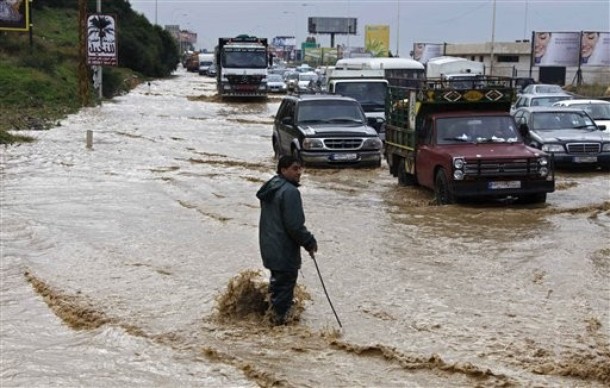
(241, 65)
(463, 143)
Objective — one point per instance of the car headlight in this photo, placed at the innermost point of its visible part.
(606, 147)
(458, 175)
(543, 161)
(553, 148)
(372, 143)
(458, 163)
(543, 171)
(313, 144)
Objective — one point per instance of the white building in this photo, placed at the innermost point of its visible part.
(513, 59)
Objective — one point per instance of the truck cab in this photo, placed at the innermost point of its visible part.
(463, 144)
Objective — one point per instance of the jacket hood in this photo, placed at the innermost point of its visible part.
(268, 190)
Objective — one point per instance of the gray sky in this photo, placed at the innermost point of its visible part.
(427, 21)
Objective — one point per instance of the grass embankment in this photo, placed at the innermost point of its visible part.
(39, 83)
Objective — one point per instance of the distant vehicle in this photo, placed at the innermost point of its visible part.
(275, 83)
(569, 134)
(242, 66)
(205, 61)
(522, 82)
(325, 130)
(304, 81)
(599, 110)
(398, 71)
(458, 73)
(527, 100)
(543, 89)
(212, 70)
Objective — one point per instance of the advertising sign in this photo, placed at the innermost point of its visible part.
(594, 48)
(320, 55)
(556, 48)
(327, 25)
(101, 40)
(285, 42)
(14, 15)
(422, 52)
(377, 40)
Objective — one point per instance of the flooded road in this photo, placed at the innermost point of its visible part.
(136, 263)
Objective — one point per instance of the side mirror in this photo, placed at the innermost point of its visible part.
(287, 120)
(602, 127)
(523, 129)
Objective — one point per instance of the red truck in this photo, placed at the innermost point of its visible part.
(462, 143)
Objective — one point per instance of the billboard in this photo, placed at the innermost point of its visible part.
(287, 42)
(422, 52)
(320, 55)
(377, 40)
(556, 48)
(14, 15)
(326, 25)
(594, 48)
(101, 40)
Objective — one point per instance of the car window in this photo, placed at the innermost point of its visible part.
(456, 130)
(329, 110)
(596, 111)
(546, 101)
(561, 120)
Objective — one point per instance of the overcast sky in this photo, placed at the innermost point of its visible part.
(426, 21)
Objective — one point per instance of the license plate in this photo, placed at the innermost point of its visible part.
(344, 157)
(585, 159)
(505, 185)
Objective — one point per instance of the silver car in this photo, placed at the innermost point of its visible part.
(527, 100)
(569, 134)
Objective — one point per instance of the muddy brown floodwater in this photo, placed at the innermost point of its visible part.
(135, 263)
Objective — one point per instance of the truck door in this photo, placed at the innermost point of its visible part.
(424, 165)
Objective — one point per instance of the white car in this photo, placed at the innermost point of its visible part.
(599, 110)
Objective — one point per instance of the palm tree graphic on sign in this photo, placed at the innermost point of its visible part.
(100, 26)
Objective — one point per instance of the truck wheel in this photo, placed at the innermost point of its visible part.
(442, 192)
(391, 164)
(404, 178)
(297, 156)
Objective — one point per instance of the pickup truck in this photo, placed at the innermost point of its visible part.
(463, 143)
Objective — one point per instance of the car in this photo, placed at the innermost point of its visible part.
(526, 100)
(569, 134)
(306, 80)
(599, 110)
(543, 89)
(276, 84)
(325, 130)
(522, 82)
(211, 70)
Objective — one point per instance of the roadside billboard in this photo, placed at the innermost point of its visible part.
(422, 52)
(595, 48)
(284, 42)
(556, 48)
(377, 40)
(14, 15)
(330, 25)
(320, 56)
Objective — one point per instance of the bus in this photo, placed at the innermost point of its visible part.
(398, 71)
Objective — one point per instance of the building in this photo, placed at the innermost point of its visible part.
(513, 59)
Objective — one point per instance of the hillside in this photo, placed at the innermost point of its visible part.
(39, 82)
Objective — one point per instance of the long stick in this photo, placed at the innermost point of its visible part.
(325, 292)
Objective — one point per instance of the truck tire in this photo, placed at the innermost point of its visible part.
(442, 192)
(404, 178)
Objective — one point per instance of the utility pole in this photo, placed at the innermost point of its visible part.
(493, 38)
(83, 78)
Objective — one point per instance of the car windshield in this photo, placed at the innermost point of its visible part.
(549, 89)
(547, 101)
(561, 120)
(274, 78)
(483, 129)
(596, 111)
(308, 77)
(371, 95)
(327, 111)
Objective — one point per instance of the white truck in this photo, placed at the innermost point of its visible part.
(367, 86)
(460, 73)
(205, 61)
